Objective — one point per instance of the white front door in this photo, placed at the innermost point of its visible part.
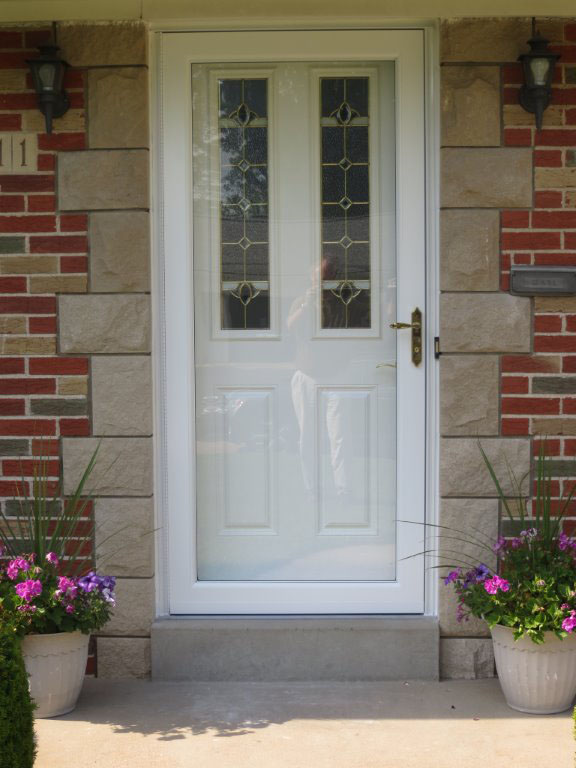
(294, 237)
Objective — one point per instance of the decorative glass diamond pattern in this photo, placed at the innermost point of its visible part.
(244, 263)
(345, 203)
(346, 272)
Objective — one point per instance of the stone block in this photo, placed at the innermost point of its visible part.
(12, 244)
(12, 80)
(470, 250)
(14, 447)
(124, 537)
(487, 177)
(470, 102)
(268, 648)
(474, 524)
(124, 465)
(134, 612)
(447, 613)
(58, 284)
(28, 265)
(484, 322)
(72, 385)
(101, 45)
(555, 304)
(464, 473)
(562, 426)
(554, 178)
(59, 406)
(104, 323)
(120, 251)
(118, 107)
(9, 324)
(122, 179)
(73, 121)
(484, 39)
(123, 657)
(27, 345)
(466, 658)
(122, 395)
(554, 385)
(515, 115)
(469, 395)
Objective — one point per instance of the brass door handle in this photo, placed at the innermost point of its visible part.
(416, 326)
(401, 326)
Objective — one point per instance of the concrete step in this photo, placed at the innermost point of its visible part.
(296, 648)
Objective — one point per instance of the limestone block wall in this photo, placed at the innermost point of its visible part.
(75, 305)
(508, 196)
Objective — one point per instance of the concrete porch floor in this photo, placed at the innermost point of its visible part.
(452, 724)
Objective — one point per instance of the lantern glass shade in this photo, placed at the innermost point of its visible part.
(541, 71)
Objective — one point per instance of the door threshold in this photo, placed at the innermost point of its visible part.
(295, 648)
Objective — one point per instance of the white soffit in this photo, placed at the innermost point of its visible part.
(265, 12)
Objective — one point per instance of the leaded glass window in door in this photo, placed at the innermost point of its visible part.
(345, 202)
(244, 204)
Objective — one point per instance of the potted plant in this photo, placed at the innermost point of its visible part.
(529, 599)
(49, 592)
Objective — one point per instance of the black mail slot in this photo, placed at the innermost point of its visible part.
(542, 281)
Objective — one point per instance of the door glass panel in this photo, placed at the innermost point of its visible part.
(293, 296)
(243, 137)
(345, 202)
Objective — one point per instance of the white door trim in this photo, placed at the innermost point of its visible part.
(174, 456)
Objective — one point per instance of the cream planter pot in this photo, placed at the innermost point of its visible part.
(56, 665)
(538, 679)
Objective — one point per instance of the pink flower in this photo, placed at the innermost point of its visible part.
(496, 583)
(66, 588)
(69, 608)
(52, 558)
(17, 565)
(28, 589)
(569, 622)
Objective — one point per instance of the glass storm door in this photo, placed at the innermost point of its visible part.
(306, 184)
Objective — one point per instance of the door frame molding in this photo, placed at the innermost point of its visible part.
(159, 305)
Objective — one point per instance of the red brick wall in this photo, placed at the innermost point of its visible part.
(538, 395)
(43, 396)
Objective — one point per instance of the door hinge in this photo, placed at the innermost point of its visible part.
(437, 352)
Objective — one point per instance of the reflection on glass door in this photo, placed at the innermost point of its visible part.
(295, 287)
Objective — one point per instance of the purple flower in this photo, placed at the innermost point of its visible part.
(28, 589)
(70, 608)
(495, 583)
(482, 572)
(515, 543)
(93, 581)
(529, 534)
(90, 582)
(500, 544)
(52, 558)
(452, 576)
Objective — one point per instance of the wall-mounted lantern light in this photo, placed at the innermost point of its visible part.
(538, 68)
(48, 76)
